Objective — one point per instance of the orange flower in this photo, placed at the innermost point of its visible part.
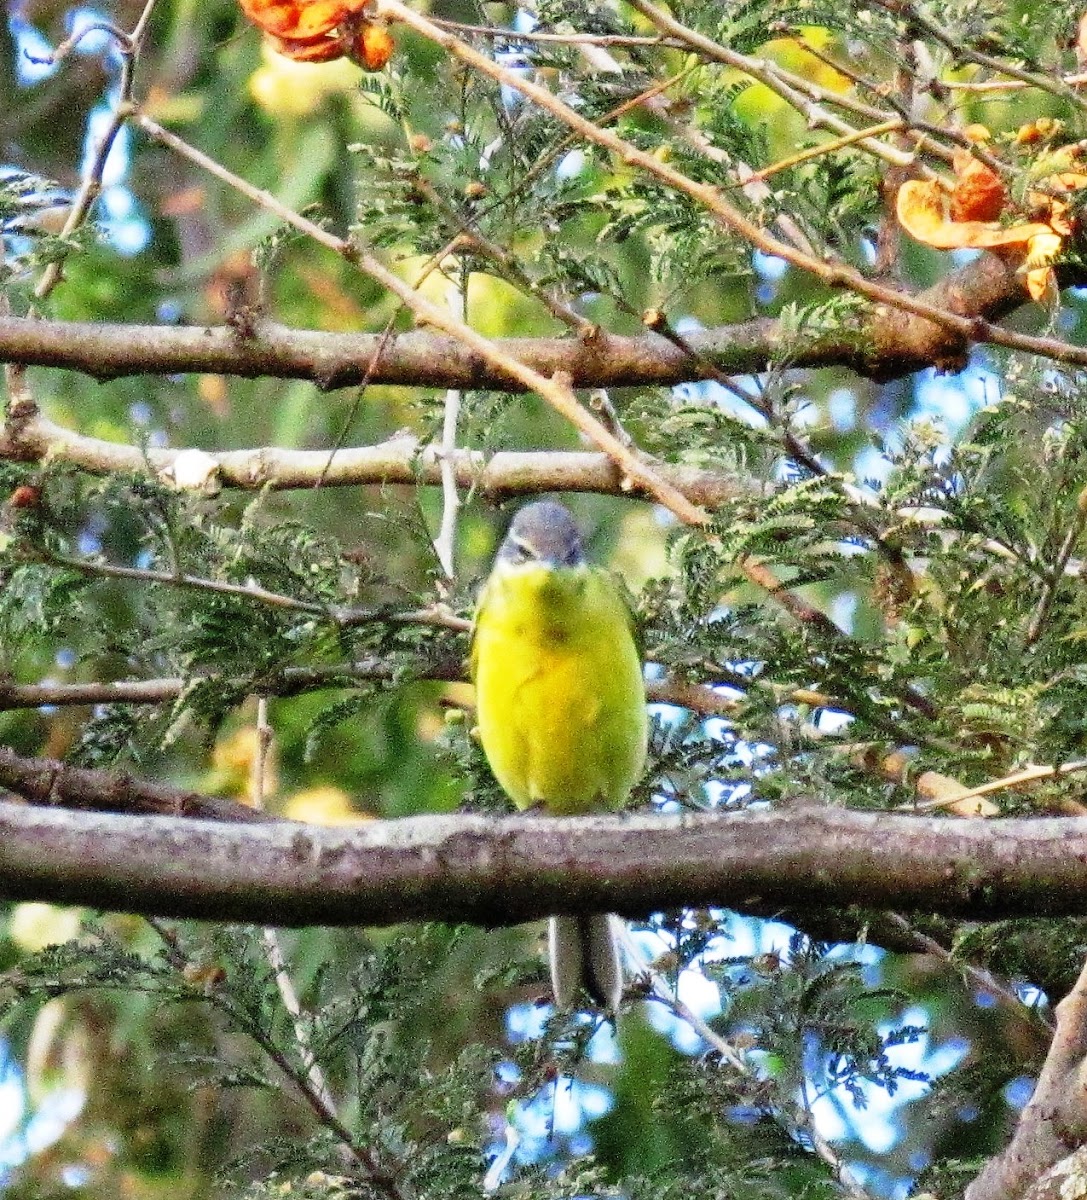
(301, 20)
(964, 215)
(1045, 129)
(322, 30)
(374, 47)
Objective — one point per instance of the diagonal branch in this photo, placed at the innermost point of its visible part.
(556, 389)
(1055, 1120)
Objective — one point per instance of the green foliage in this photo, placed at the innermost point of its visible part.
(362, 1039)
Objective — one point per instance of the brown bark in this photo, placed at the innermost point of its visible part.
(1053, 1123)
(400, 460)
(887, 345)
(498, 871)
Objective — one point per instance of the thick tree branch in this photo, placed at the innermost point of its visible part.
(1066, 1178)
(52, 783)
(414, 359)
(889, 345)
(500, 871)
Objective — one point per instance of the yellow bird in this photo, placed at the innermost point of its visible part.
(561, 709)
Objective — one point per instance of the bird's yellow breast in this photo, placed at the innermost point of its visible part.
(559, 692)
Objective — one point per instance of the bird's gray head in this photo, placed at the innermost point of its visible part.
(545, 533)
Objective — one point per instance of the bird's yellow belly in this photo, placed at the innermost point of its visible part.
(561, 707)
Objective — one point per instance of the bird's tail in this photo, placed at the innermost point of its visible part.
(585, 954)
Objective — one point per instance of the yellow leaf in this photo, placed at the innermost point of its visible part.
(323, 805)
(34, 926)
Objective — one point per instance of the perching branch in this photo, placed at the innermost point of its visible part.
(52, 783)
(501, 871)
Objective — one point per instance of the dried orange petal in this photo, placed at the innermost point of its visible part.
(312, 50)
(1042, 249)
(299, 19)
(979, 193)
(928, 213)
(1047, 201)
(1040, 130)
(373, 47)
(286, 18)
(921, 212)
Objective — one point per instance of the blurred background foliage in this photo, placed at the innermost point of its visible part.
(142, 1061)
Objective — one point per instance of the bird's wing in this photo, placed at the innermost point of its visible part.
(473, 650)
(618, 585)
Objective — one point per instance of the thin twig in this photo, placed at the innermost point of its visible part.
(272, 948)
(572, 39)
(1016, 779)
(344, 616)
(1077, 79)
(91, 183)
(512, 270)
(662, 991)
(445, 542)
(20, 406)
(928, 137)
(447, 530)
(838, 143)
(799, 93)
(1055, 576)
(963, 53)
(361, 1156)
(980, 978)
(285, 986)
